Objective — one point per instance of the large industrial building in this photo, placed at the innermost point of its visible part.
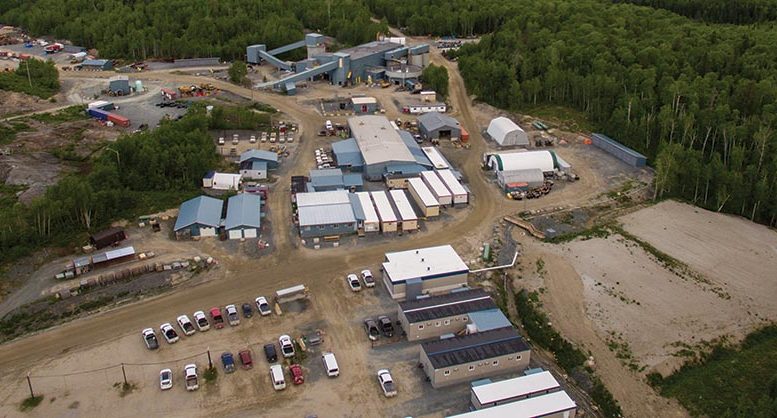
(458, 359)
(380, 145)
(433, 270)
(363, 63)
(325, 214)
(433, 316)
(506, 132)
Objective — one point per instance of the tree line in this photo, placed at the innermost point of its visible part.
(699, 99)
(189, 28)
(34, 77)
(139, 173)
(740, 12)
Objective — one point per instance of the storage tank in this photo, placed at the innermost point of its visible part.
(138, 86)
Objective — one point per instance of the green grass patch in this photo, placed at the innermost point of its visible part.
(33, 77)
(597, 231)
(30, 403)
(263, 107)
(561, 116)
(211, 374)
(9, 130)
(238, 117)
(728, 380)
(67, 114)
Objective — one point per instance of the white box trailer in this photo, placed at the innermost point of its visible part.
(423, 197)
(440, 192)
(371, 220)
(290, 294)
(405, 209)
(388, 219)
(435, 157)
(460, 194)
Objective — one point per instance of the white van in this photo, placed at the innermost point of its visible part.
(330, 364)
(276, 377)
(329, 126)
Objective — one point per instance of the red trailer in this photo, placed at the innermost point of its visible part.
(169, 94)
(464, 135)
(119, 120)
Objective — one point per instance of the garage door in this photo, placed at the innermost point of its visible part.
(208, 232)
(249, 233)
(235, 234)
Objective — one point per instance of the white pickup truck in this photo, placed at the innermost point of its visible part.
(190, 372)
(387, 383)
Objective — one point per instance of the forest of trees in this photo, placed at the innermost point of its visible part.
(34, 77)
(720, 11)
(189, 28)
(139, 173)
(700, 100)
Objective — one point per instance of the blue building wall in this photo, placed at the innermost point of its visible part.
(328, 230)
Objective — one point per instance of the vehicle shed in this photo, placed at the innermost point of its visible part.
(432, 270)
(323, 214)
(388, 218)
(107, 238)
(243, 216)
(423, 197)
(198, 217)
(460, 194)
(435, 125)
(364, 211)
(506, 132)
(618, 150)
(407, 215)
(253, 155)
(435, 184)
(515, 389)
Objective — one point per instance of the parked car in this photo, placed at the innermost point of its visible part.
(373, 333)
(287, 346)
(277, 378)
(369, 281)
(262, 306)
(245, 359)
(270, 353)
(218, 320)
(190, 373)
(296, 374)
(232, 316)
(353, 282)
(165, 379)
(202, 321)
(186, 325)
(248, 311)
(386, 327)
(387, 383)
(149, 337)
(228, 361)
(169, 333)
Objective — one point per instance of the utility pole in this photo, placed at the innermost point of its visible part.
(210, 361)
(123, 372)
(27, 61)
(29, 383)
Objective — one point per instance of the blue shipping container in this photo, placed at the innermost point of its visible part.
(98, 114)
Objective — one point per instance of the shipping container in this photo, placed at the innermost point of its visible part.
(98, 114)
(119, 120)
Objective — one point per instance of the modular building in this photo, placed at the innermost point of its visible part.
(364, 105)
(515, 389)
(243, 216)
(522, 160)
(460, 194)
(433, 316)
(618, 150)
(435, 126)
(423, 197)
(421, 108)
(436, 158)
(388, 219)
(440, 192)
(199, 217)
(364, 211)
(325, 214)
(449, 361)
(380, 145)
(506, 132)
(406, 213)
(432, 270)
(553, 405)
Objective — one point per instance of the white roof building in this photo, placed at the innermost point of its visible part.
(556, 404)
(423, 262)
(460, 194)
(333, 197)
(222, 181)
(523, 160)
(385, 211)
(438, 161)
(513, 389)
(371, 219)
(426, 196)
(406, 212)
(325, 213)
(364, 100)
(506, 132)
(441, 193)
(378, 141)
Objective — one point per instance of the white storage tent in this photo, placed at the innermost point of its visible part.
(507, 161)
(505, 132)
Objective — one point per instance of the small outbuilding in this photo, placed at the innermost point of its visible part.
(618, 150)
(221, 181)
(243, 216)
(364, 105)
(515, 180)
(254, 170)
(107, 238)
(119, 85)
(507, 133)
(552, 405)
(435, 126)
(269, 157)
(199, 217)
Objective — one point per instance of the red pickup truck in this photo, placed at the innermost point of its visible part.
(218, 319)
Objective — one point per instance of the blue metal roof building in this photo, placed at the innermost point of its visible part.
(243, 216)
(415, 149)
(333, 179)
(348, 155)
(618, 150)
(434, 125)
(489, 319)
(250, 156)
(197, 217)
(103, 65)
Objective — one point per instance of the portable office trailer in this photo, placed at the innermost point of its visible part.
(438, 161)
(388, 219)
(440, 192)
(371, 222)
(290, 294)
(423, 197)
(460, 194)
(511, 390)
(405, 210)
